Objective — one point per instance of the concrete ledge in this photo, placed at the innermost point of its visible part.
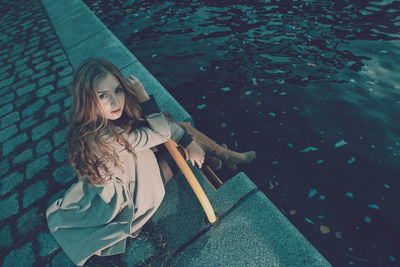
(251, 231)
(56, 14)
(253, 234)
(78, 27)
(83, 35)
(180, 216)
(102, 44)
(181, 212)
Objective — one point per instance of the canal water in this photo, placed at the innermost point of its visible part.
(312, 86)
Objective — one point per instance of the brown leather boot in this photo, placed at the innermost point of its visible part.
(229, 157)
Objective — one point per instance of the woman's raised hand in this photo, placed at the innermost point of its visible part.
(138, 87)
(196, 154)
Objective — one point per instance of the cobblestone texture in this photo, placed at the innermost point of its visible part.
(35, 94)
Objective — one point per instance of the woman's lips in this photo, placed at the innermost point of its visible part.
(116, 111)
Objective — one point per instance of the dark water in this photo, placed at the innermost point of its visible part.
(312, 86)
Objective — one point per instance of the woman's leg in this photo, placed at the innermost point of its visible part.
(230, 158)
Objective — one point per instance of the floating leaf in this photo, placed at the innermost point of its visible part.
(349, 194)
(271, 186)
(202, 69)
(272, 114)
(367, 219)
(373, 206)
(312, 193)
(351, 160)
(392, 258)
(248, 92)
(340, 143)
(339, 235)
(324, 229)
(322, 197)
(226, 89)
(154, 55)
(290, 145)
(320, 161)
(254, 81)
(292, 212)
(308, 149)
(308, 220)
(201, 106)
(386, 186)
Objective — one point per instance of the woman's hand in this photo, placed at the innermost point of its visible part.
(137, 86)
(196, 154)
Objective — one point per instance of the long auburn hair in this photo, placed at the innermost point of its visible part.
(87, 149)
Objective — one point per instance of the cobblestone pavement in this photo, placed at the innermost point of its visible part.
(35, 96)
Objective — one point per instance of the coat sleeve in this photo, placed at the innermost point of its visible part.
(179, 135)
(157, 133)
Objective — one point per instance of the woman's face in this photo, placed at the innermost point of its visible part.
(111, 97)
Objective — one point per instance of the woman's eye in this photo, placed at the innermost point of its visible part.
(118, 90)
(102, 96)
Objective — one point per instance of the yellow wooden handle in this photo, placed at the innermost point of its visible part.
(194, 184)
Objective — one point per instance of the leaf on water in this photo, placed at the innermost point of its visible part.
(271, 186)
(308, 149)
(311, 64)
(367, 219)
(373, 206)
(202, 69)
(292, 212)
(272, 114)
(248, 92)
(312, 193)
(226, 89)
(351, 160)
(308, 220)
(386, 186)
(201, 106)
(320, 161)
(340, 143)
(324, 229)
(254, 80)
(349, 194)
(339, 235)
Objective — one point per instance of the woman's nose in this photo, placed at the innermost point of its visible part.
(113, 100)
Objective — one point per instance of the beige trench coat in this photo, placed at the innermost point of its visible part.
(97, 220)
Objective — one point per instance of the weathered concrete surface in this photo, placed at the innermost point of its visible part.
(255, 233)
